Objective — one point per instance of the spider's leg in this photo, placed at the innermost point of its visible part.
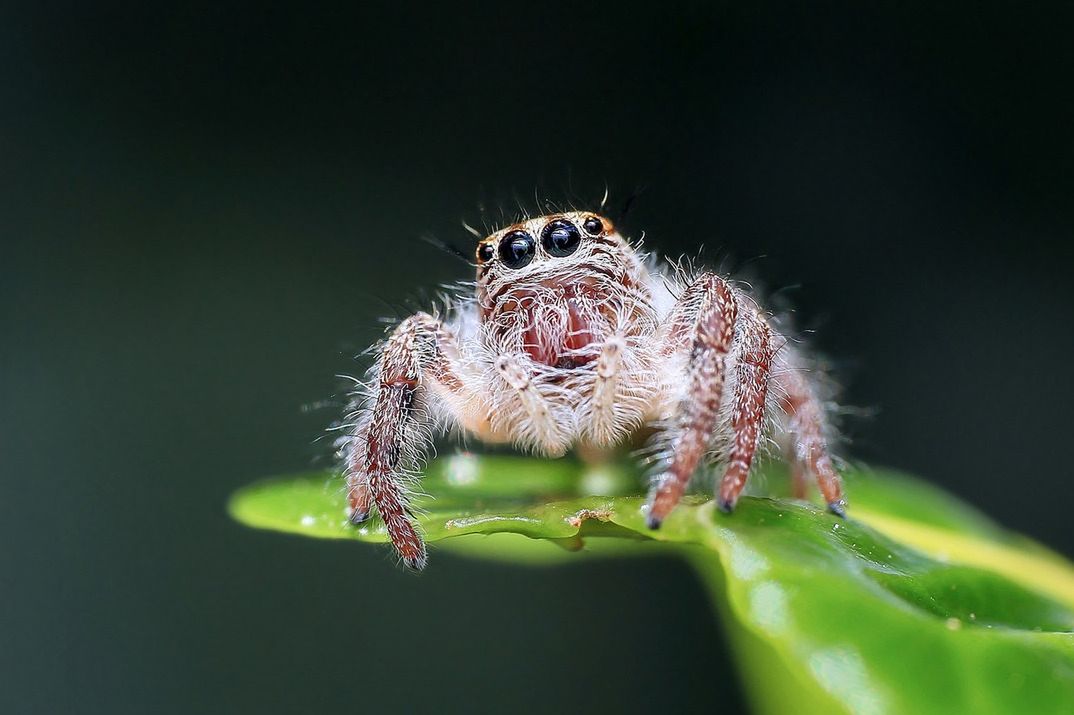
(805, 420)
(704, 321)
(418, 352)
(752, 371)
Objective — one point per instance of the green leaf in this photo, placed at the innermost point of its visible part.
(915, 604)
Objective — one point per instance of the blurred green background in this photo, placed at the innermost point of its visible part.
(206, 211)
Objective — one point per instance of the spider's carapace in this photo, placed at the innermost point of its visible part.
(575, 338)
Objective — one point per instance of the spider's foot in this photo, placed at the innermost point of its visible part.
(416, 562)
(359, 516)
(838, 507)
(413, 553)
(653, 522)
(725, 505)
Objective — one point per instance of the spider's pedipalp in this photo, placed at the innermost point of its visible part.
(538, 426)
(602, 415)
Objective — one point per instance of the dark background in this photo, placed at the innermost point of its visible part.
(206, 211)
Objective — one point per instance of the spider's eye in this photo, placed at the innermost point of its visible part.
(485, 251)
(593, 226)
(560, 238)
(516, 249)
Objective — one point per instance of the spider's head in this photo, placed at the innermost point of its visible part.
(555, 284)
(546, 247)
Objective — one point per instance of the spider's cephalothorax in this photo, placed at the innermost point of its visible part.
(574, 339)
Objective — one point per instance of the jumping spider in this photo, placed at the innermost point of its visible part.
(574, 338)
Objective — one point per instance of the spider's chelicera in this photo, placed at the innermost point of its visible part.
(574, 338)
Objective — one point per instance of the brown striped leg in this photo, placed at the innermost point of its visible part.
(683, 319)
(806, 423)
(748, 414)
(419, 350)
(711, 333)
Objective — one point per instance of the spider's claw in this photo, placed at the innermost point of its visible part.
(653, 522)
(725, 505)
(839, 508)
(359, 517)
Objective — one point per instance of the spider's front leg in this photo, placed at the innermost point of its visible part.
(703, 321)
(709, 319)
(391, 435)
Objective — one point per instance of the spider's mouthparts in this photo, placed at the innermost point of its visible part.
(559, 338)
(558, 322)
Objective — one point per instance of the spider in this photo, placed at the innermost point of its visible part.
(576, 338)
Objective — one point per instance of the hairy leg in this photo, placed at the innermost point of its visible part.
(805, 421)
(709, 334)
(418, 352)
(751, 394)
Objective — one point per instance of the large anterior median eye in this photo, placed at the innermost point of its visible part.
(516, 249)
(560, 238)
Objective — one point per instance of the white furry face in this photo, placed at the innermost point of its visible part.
(556, 287)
